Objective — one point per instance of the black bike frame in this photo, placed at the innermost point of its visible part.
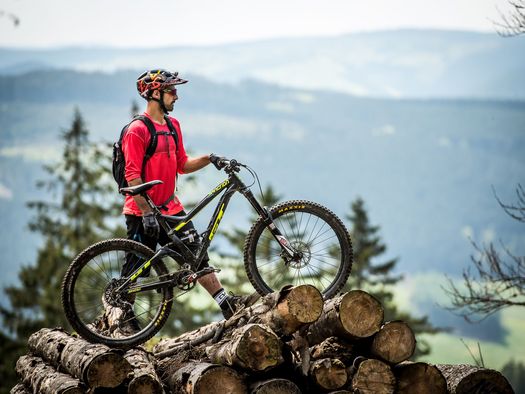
(179, 251)
(229, 186)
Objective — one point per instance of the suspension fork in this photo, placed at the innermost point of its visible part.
(289, 252)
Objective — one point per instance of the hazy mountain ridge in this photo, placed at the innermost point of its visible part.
(424, 167)
(404, 63)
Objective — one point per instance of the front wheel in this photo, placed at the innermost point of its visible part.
(96, 308)
(320, 240)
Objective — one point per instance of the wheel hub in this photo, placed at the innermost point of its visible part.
(114, 298)
(302, 255)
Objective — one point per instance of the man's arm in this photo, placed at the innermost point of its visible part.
(196, 163)
(139, 200)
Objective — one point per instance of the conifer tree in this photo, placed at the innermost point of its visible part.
(367, 245)
(77, 213)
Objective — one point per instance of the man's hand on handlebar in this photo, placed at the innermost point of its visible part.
(218, 161)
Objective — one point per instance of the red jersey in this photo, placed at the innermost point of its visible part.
(164, 165)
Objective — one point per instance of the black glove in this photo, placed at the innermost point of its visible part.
(217, 161)
(151, 226)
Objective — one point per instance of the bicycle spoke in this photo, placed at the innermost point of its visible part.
(324, 240)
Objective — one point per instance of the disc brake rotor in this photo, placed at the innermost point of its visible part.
(303, 254)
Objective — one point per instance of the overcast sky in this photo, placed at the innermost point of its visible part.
(45, 23)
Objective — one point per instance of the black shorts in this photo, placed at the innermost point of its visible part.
(135, 231)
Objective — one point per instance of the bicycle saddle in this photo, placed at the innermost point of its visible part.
(139, 189)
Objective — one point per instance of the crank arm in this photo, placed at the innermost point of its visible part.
(188, 279)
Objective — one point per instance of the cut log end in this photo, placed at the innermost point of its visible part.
(108, 370)
(145, 384)
(305, 303)
(259, 349)
(370, 312)
(219, 380)
(394, 343)
(419, 378)
(374, 377)
(329, 374)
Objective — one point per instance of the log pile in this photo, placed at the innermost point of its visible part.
(292, 341)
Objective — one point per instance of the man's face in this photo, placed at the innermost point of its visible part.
(170, 96)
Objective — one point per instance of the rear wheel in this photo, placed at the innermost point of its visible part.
(98, 311)
(321, 241)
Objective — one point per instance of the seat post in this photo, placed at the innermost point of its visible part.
(149, 201)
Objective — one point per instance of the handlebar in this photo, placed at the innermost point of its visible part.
(230, 165)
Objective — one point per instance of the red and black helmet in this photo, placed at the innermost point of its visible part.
(159, 79)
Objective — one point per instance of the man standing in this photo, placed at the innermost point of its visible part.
(158, 88)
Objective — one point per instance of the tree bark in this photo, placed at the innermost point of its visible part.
(145, 379)
(373, 377)
(463, 379)
(95, 364)
(333, 347)
(284, 312)
(274, 386)
(201, 378)
(419, 378)
(253, 347)
(328, 374)
(353, 315)
(394, 343)
(20, 389)
(42, 378)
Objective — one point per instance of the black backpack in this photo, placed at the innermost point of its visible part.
(119, 162)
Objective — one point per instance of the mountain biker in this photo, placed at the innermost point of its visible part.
(158, 88)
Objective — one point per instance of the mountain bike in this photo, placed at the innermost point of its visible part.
(293, 242)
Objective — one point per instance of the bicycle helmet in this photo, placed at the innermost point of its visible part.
(158, 79)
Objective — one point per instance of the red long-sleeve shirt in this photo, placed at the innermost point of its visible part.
(163, 165)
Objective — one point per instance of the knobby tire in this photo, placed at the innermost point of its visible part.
(311, 228)
(87, 269)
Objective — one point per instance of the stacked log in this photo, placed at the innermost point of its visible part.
(372, 376)
(196, 377)
(419, 378)
(94, 364)
(144, 378)
(463, 379)
(61, 363)
(291, 341)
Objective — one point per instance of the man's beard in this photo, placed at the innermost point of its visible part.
(169, 107)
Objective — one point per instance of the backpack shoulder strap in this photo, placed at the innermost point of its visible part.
(150, 150)
(173, 132)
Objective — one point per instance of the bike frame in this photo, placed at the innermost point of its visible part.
(177, 250)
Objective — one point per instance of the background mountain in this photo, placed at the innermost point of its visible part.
(425, 165)
(403, 63)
